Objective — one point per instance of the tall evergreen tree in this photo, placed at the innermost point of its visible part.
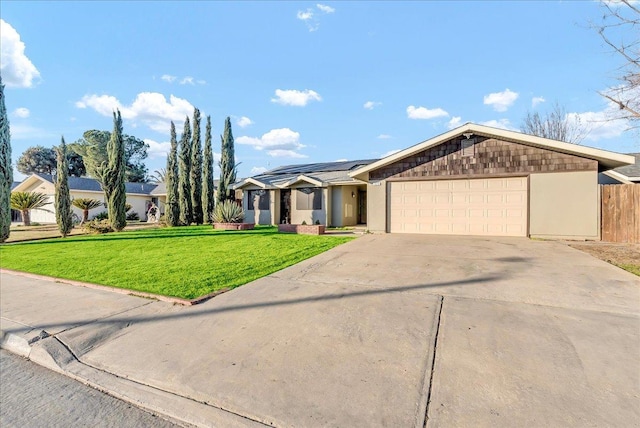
(64, 213)
(6, 170)
(114, 173)
(172, 210)
(196, 169)
(184, 181)
(227, 164)
(207, 176)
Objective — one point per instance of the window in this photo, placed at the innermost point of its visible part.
(467, 147)
(309, 198)
(259, 198)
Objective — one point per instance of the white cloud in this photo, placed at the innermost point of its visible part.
(258, 170)
(370, 105)
(282, 142)
(310, 18)
(384, 137)
(324, 8)
(341, 160)
(390, 152)
(454, 122)
(537, 100)
(500, 124)
(157, 150)
(17, 70)
(296, 98)
(244, 121)
(600, 125)
(187, 80)
(305, 16)
(425, 113)
(21, 112)
(501, 101)
(149, 108)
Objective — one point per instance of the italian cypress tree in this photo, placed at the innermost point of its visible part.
(207, 176)
(6, 171)
(114, 177)
(64, 213)
(196, 169)
(184, 181)
(172, 210)
(227, 164)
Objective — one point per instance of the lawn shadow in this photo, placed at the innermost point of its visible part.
(134, 235)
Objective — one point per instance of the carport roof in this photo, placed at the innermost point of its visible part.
(605, 158)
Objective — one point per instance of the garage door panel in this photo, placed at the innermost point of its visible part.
(493, 206)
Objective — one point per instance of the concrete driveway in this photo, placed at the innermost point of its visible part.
(387, 330)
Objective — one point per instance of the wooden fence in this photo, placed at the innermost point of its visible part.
(621, 212)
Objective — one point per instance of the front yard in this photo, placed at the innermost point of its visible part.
(185, 262)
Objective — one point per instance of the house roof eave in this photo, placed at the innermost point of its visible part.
(605, 158)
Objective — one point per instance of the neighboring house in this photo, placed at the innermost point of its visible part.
(623, 174)
(313, 193)
(138, 195)
(478, 180)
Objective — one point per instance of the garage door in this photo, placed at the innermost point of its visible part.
(490, 206)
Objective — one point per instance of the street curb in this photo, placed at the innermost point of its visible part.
(174, 300)
(51, 353)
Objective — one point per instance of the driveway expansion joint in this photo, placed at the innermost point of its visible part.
(433, 360)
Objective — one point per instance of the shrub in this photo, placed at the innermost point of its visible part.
(98, 226)
(228, 212)
(133, 216)
(317, 222)
(304, 222)
(101, 216)
(127, 207)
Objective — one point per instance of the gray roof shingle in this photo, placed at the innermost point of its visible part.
(90, 184)
(326, 172)
(630, 170)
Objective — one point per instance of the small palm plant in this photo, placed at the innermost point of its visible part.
(86, 204)
(27, 201)
(158, 176)
(228, 212)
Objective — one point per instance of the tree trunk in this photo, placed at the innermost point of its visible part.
(85, 216)
(26, 217)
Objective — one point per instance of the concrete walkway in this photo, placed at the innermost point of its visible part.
(387, 330)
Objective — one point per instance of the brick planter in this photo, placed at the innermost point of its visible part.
(303, 229)
(233, 226)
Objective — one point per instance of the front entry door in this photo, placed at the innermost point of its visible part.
(362, 207)
(285, 206)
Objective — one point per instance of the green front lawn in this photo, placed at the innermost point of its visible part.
(185, 262)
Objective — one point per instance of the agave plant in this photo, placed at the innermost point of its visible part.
(27, 201)
(86, 204)
(228, 212)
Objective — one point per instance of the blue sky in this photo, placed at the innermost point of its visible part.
(302, 81)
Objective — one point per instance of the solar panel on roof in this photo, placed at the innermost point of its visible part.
(311, 168)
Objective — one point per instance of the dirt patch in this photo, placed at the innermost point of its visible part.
(626, 256)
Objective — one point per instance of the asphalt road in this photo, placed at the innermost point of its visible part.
(32, 396)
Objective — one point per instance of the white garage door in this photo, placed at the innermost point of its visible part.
(490, 206)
